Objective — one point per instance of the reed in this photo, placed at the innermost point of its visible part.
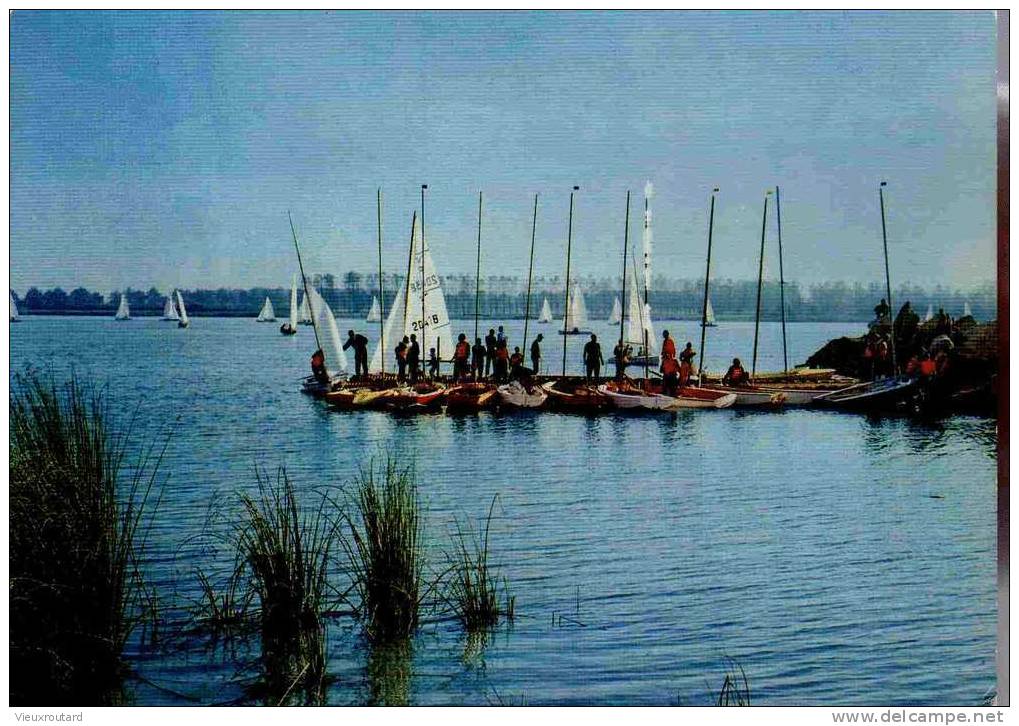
(384, 551)
(472, 590)
(735, 689)
(76, 540)
(225, 608)
(287, 552)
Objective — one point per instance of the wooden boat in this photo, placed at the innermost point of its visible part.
(575, 396)
(369, 397)
(471, 397)
(630, 397)
(516, 395)
(888, 394)
(751, 395)
(793, 375)
(694, 397)
(419, 397)
(803, 393)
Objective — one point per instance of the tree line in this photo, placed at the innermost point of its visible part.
(505, 297)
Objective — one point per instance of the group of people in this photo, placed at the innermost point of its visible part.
(491, 359)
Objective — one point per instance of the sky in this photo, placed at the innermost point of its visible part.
(166, 149)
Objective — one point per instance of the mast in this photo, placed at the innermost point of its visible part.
(781, 279)
(530, 273)
(888, 277)
(707, 278)
(626, 244)
(423, 343)
(300, 264)
(382, 287)
(477, 277)
(566, 309)
(647, 263)
(760, 283)
(410, 265)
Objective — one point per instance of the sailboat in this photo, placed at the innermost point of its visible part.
(169, 309)
(640, 329)
(14, 309)
(966, 311)
(184, 321)
(374, 312)
(709, 318)
(328, 334)
(617, 312)
(123, 311)
(266, 314)
(576, 316)
(930, 313)
(419, 305)
(290, 327)
(303, 316)
(546, 312)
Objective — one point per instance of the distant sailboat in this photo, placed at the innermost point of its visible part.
(169, 309)
(546, 312)
(930, 313)
(966, 311)
(576, 314)
(123, 311)
(303, 315)
(267, 314)
(14, 309)
(183, 322)
(422, 289)
(290, 327)
(374, 312)
(709, 321)
(617, 312)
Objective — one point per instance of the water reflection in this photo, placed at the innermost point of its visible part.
(389, 669)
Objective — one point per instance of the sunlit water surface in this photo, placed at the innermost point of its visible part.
(837, 558)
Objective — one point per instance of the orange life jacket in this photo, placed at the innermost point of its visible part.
(669, 348)
(669, 366)
(927, 367)
(462, 350)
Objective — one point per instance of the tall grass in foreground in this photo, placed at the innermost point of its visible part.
(472, 592)
(735, 689)
(385, 554)
(75, 590)
(287, 552)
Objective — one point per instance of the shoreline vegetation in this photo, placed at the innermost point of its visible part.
(505, 298)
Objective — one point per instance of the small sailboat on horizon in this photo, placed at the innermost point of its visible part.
(14, 310)
(183, 320)
(374, 312)
(123, 311)
(290, 327)
(266, 314)
(170, 309)
(576, 314)
(546, 312)
(709, 317)
(303, 315)
(930, 313)
(617, 312)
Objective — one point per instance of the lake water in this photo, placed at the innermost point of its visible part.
(839, 559)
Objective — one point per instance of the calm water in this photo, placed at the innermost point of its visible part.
(806, 544)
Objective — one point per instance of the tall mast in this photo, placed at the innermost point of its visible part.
(311, 311)
(647, 264)
(888, 277)
(530, 273)
(760, 283)
(382, 287)
(477, 276)
(424, 246)
(566, 310)
(707, 278)
(781, 279)
(626, 244)
(410, 266)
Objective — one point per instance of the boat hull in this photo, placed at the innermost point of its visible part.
(887, 395)
(751, 396)
(471, 397)
(582, 399)
(517, 396)
(635, 399)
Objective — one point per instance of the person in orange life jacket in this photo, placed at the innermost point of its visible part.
(360, 345)
(318, 366)
(670, 375)
(536, 353)
(461, 353)
(516, 362)
(736, 375)
(433, 364)
(501, 365)
(414, 358)
(401, 359)
(668, 346)
(478, 358)
(686, 363)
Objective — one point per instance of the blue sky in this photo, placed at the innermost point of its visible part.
(166, 148)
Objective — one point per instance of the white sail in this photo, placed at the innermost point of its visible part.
(617, 312)
(303, 315)
(966, 310)
(710, 315)
(266, 314)
(930, 313)
(374, 312)
(328, 334)
(123, 311)
(576, 310)
(293, 303)
(546, 312)
(182, 310)
(638, 320)
(169, 309)
(14, 308)
(405, 317)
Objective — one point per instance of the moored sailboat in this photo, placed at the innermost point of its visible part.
(266, 314)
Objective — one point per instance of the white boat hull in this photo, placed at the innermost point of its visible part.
(638, 400)
(753, 397)
(513, 394)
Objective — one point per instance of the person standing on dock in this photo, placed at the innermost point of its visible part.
(668, 346)
(433, 364)
(620, 357)
(479, 359)
(360, 345)
(490, 342)
(500, 366)
(686, 363)
(516, 362)
(460, 357)
(501, 336)
(881, 313)
(670, 376)
(536, 353)
(593, 358)
(401, 359)
(414, 358)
